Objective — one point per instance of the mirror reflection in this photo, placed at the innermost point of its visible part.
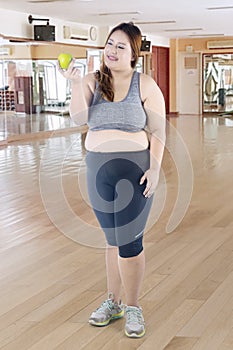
(34, 96)
(218, 82)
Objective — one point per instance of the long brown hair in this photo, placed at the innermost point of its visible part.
(104, 76)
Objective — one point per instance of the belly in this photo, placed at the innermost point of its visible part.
(116, 141)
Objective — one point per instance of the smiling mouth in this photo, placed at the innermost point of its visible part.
(112, 58)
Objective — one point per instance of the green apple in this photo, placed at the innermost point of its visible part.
(64, 60)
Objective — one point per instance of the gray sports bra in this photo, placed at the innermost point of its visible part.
(127, 115)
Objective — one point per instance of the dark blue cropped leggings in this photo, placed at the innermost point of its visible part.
(117, 197)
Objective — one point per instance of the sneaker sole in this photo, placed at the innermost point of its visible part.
(105, 323)
(135, 335)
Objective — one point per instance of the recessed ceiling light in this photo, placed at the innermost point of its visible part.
(41, 1)
(206, 35)
(156, 22)
(118, 13)
(183, 30)
(220, 8)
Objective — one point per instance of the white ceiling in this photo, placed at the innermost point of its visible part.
(190, 18)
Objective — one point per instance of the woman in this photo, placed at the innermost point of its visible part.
(125, 113)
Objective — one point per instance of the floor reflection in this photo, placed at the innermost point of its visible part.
(19, 123)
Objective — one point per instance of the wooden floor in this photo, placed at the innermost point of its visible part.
(52, 272)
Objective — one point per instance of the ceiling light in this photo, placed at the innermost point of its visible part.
(156, 22)
(41, 1)
(183, 30)
(206, 35)
(119, 13)
(220, 8)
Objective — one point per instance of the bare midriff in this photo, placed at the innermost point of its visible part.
(116, 141)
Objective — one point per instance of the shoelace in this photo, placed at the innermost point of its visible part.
(106, 304)
(134, 315)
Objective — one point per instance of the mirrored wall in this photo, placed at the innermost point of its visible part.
(34, 96)
(217, 82)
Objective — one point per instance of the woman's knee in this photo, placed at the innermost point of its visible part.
(131, 249)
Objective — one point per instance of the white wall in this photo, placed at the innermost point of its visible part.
(158, 40)
(15, 24)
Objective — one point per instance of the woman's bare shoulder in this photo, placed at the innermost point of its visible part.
(148, 86)
(147, 81)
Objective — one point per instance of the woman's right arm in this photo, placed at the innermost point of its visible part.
(82, 90)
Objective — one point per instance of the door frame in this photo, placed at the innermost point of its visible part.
(161, 71)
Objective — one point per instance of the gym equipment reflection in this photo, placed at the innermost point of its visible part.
(217, 82)
(34, 97)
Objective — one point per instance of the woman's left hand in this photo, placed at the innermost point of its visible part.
(152, 178)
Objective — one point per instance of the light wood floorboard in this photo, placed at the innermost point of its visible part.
(52, 271)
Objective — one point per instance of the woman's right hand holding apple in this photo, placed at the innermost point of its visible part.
(78, 104)
(72, 73)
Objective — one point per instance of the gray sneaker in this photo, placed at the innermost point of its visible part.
(108, 310)
(135, 324)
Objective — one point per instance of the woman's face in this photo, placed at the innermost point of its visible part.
(118, 52)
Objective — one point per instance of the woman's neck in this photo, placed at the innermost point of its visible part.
(126, 74)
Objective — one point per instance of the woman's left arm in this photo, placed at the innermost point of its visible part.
(154, 106)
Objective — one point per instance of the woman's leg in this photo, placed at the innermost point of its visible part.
(132, 273)
(130, 225)
(111, 308)
(102, 195)
(113, 273)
